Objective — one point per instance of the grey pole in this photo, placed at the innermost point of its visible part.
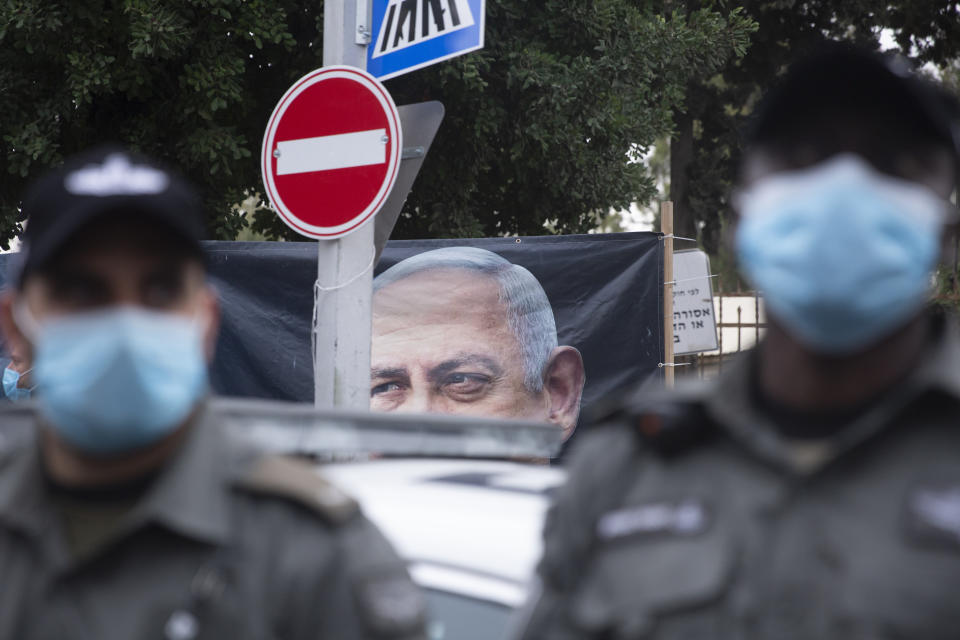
(342, 298)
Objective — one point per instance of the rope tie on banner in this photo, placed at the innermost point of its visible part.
(689, 279)
(661, 365)
(673, 237)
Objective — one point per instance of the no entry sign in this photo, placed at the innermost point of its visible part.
(331, 151)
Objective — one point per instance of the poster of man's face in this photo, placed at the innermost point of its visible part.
(463, 330)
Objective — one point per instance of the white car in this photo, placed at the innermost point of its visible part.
(448, 491)
(470, 530)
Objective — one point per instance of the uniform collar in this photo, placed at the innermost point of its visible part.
(731, 404)
(22, 504)
(190, 496)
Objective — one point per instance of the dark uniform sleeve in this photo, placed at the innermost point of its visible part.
(632, 431)
(599, 470)
(369, 594)
(364, 591)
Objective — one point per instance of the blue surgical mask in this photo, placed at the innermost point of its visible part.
(117, 380)
(842, 254)
(10, 380)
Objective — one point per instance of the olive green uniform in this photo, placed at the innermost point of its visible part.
(689, 516)
(226, 542)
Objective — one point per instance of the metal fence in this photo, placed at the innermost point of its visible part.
(741, 322)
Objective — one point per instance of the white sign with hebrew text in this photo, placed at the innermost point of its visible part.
(694, 324)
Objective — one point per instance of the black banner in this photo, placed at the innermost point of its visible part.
(604, 289)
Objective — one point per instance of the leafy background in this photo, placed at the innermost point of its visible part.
(573, 108)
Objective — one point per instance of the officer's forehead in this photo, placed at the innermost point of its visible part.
(936, 170)
(124, 240)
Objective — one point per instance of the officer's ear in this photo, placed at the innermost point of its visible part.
(563, 382)
(210, 304)
(14, 338)
(950, 235)
(948, 244)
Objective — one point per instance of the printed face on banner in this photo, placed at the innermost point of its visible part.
(458, 339)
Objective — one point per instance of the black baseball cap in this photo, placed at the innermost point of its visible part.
(108, 180)
(841, 77)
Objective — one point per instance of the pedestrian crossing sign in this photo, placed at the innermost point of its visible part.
(412, 34)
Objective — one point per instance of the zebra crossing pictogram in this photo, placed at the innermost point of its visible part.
(412, 34)
(410, 22)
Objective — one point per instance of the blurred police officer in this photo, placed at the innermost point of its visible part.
(129, 512)
(813, 491)
(17, 378)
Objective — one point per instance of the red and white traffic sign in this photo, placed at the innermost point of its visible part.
(331, 151)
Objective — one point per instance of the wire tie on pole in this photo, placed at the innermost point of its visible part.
(689, 279)
(673, 237)
(319, 287)
(673, 364)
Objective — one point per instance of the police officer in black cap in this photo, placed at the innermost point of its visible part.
(127, 511)
(813, 490)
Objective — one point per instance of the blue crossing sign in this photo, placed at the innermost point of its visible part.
(412, 34)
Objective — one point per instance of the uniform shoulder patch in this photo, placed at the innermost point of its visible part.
(392, 606)
(686, 517)
(298, 481)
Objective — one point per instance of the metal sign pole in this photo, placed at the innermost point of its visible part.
(342, 298)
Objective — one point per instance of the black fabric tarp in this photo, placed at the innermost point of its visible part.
(605, 291)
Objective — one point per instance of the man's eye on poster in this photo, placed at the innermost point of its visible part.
(463, 330)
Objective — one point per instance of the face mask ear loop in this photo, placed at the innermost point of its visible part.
(30, 389)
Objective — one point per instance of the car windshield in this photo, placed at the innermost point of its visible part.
(458, 617)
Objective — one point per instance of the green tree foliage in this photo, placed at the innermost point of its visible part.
(706, 148)
(191, 81)
(539, 124)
